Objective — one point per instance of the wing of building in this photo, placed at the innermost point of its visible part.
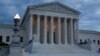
(52, 28)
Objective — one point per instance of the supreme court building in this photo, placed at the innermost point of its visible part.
(53, 26)
(52, 23)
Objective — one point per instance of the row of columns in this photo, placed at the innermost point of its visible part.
(72, 31)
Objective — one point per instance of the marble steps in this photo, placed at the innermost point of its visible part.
(60, 49)
(27, 54)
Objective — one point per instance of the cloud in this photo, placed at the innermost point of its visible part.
(86, 22)
(91, 1)
(49, 0)
(5, 2)
(97, 12)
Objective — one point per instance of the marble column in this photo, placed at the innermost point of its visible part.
(51, 30)
(71, 31)
(74, 31)
(59, 30)
(45, 29)
(30, 27)
(65, 30)
(31, 31)
(38, 28)
(77, 30)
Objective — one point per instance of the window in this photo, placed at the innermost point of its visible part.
(99, 50)
(54, 37)
(80, 40)
(0, 38)
(94, 41)
(48, 39)
(8, 38)
(21, 39)
(98, 42)
(85, 41)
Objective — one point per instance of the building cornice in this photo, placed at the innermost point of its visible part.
(89, 32)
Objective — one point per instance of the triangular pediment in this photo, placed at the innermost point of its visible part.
(54, 6)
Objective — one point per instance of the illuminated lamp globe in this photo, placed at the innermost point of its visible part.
(17, 16)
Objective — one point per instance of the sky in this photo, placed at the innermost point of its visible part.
(89, 18)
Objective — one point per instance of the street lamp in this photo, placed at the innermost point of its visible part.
(16, 21)
(16, 36)
(16, 48)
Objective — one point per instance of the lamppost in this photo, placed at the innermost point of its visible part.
(16, 48)
(16, 36)
(16, 21)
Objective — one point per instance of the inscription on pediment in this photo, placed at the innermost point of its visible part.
(54, 7)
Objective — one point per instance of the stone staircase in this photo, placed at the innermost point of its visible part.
(27, 54)
(59, 50)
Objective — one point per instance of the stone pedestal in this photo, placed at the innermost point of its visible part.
(16, 50)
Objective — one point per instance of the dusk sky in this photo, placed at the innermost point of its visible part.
(89, 18)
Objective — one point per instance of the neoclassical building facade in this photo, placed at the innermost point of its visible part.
(52, 23)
